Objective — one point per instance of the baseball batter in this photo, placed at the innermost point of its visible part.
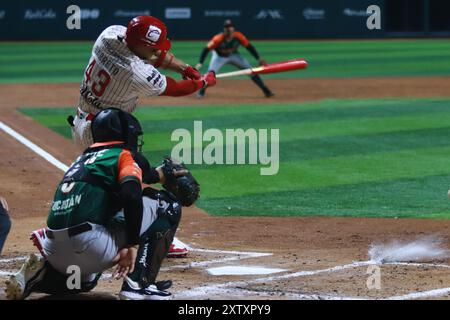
(100, 217)
(123, 66)
(225, 51)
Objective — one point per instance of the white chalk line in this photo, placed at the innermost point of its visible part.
(209, 262)
(229, 252)
(284, 294)
(15, 259)
(422, 294)
(35, 148)
(414, 264)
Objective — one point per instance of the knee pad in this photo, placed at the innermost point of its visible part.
(168, 207)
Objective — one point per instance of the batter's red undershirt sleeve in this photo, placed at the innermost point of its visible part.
(181, 88)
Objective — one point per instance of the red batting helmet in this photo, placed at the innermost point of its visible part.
(147, 31)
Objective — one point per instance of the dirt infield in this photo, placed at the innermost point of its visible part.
(322, 258)
(229, 92)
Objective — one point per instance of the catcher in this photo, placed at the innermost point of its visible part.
(101, 217)
(124, 65)
(225, 51)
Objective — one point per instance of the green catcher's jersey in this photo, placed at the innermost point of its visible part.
(88, 191)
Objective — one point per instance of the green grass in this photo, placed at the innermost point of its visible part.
(372, 157)
(43, 62)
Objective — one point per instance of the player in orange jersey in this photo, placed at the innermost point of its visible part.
(225, 51)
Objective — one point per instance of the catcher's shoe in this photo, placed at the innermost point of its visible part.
(132, 291)
(177, 249)
(38, 237)
(20, 285)
(268, 93)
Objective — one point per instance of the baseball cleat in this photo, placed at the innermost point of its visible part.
(132, 291)
(38, 237)
(176, 252)
(164, 284)
(269, 94)
(20, 285)
(177, 249)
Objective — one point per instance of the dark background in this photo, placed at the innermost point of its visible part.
(199, 19)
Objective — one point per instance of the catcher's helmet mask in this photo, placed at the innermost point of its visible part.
(112, 124)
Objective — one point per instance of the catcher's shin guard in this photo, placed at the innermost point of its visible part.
(152, 254)
(155, 242)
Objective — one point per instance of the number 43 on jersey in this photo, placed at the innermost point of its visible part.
(100, 79)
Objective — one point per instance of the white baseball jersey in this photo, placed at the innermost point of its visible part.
(115, 76)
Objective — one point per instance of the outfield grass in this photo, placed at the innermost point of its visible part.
(49, 62)
(373, 157)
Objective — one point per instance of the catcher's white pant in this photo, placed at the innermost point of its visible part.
(235, 59)
(92, 251)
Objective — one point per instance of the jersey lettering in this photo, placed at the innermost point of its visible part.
(115, 76)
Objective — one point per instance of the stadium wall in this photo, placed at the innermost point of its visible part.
(199, 19)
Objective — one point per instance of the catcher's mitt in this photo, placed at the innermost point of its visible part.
(185, 188)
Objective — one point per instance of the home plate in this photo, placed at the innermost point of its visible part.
(240, 270)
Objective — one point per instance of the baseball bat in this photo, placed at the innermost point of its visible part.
(275, 67)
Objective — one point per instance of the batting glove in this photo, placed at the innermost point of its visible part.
(191, 73)
(209, 79)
